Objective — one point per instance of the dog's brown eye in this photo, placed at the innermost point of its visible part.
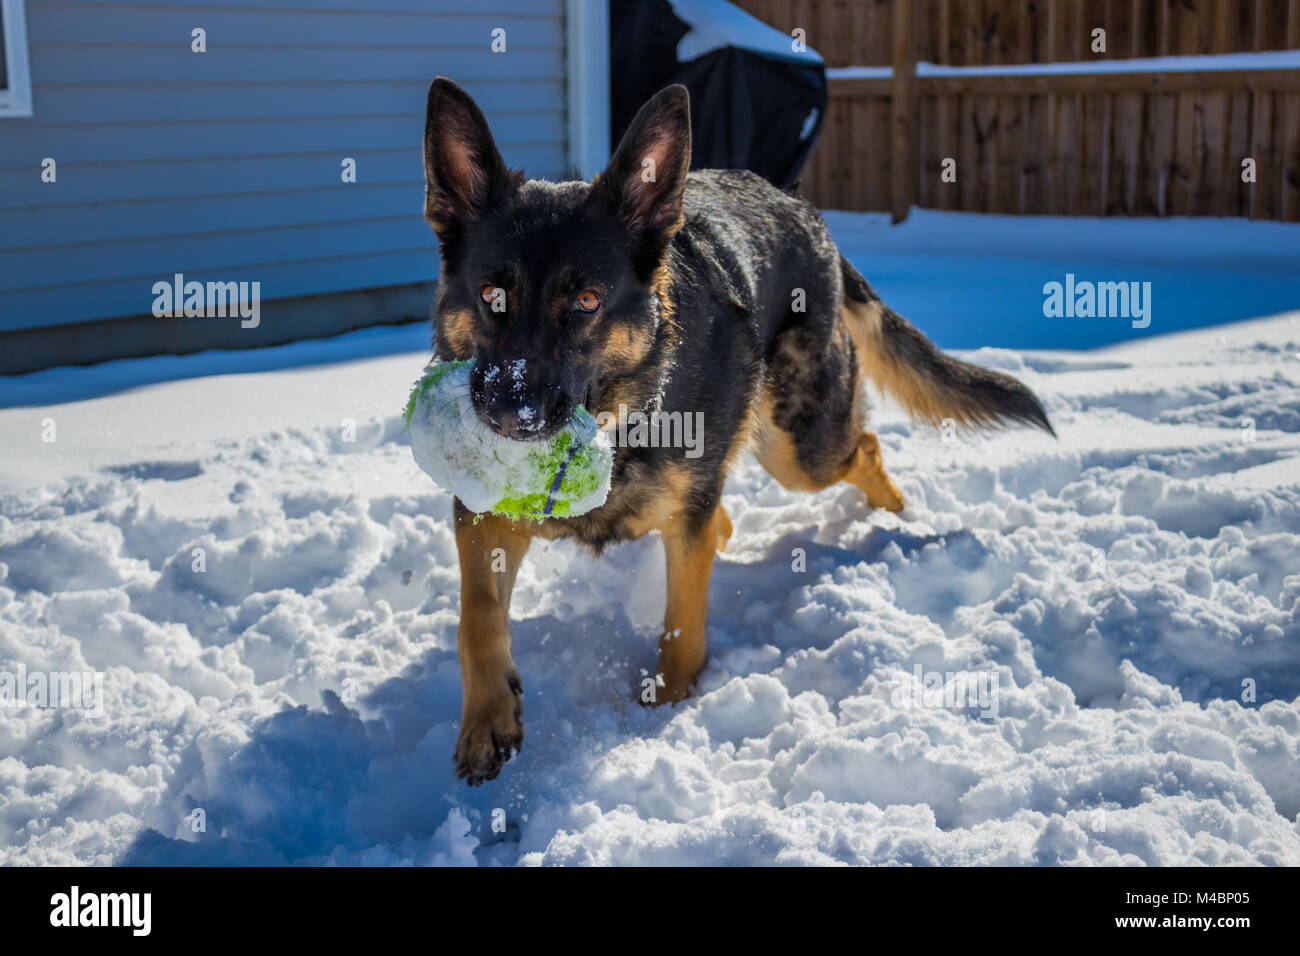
(589, 301)
(488, 293)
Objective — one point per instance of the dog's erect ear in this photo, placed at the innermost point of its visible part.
(647, 173)
(463, 171)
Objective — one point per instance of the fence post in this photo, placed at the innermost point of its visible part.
(903, 104)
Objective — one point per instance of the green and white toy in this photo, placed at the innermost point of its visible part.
(560, 477)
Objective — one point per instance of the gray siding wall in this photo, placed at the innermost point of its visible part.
(225, 165)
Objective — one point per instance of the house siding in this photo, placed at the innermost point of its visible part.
(225, 165)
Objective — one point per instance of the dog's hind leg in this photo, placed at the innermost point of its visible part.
(811, 430)
(866, 471)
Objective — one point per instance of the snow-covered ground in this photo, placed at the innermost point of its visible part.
(1130, 592)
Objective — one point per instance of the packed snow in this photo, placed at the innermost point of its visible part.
(1115, 615)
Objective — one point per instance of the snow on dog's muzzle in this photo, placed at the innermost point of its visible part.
(518, 400)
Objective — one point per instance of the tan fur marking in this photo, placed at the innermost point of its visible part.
(904, 382)
(624, 393)
(661, 512)
(867, 472)
(456, 328)
(724, 528)
(682, 648)
(626, 346)
(775, 451)
(662, 284)
(745, 436)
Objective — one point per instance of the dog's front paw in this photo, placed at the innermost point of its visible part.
(671, 693)
(491, 730)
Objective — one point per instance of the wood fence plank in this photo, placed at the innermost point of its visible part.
(1268, 171)
(1009, 146)
(1268, 166)
(947, 111)
(903, 102)
(986, 129)
(1093, 153)
(1037, 154)
(1214, 189)
(881, 118)
(1236, 145)
(860, 155)
(1179, 187)
(1290, 179)
(1159, 148)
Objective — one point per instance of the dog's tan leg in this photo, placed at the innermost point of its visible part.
(865, 469)
(689, 548)
(491, 723)
(867, 472)
(724, 528)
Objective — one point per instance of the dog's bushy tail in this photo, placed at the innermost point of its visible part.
(931, 386)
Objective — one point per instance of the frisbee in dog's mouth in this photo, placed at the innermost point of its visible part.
(563, 476)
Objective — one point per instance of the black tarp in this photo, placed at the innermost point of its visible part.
(749, 109)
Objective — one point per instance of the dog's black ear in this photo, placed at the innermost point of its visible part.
(463, 172)
(647, 173)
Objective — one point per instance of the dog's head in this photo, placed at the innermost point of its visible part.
(549, 286)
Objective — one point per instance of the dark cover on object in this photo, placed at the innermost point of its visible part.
(748, 109)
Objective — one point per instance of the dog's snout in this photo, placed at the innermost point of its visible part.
(520, 401)
(526, 422)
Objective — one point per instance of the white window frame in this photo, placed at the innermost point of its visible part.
(587, 63)
(16, 99)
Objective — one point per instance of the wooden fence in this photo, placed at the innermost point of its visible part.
(1090, 143)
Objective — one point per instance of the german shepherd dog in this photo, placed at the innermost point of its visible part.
(661, 291)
